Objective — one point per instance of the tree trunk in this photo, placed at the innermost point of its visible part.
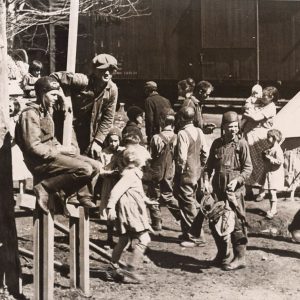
(9, 255)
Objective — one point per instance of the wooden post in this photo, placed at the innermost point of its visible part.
(10, 268)
(79, 228)
(43, 253)
(84, 263)
(257, 43)
(72, 40)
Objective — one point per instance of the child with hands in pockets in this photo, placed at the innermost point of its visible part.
(127, 205)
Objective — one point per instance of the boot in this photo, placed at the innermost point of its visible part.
(239, 261)
(224, 254)
(42, 197)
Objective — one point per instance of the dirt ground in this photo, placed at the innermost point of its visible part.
(174, 272)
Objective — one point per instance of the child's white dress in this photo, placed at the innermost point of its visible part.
(275, 171)
(128, 196)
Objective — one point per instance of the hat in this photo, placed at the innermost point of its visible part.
(45, 84)
(229, 117)
(105, 61)
(150, 84)
(133, 112)
(115, 131)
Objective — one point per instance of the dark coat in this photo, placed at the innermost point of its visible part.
(154, 106)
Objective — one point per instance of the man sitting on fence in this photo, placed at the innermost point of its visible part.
(56, 168)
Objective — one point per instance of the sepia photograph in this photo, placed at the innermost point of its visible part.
(150, 149)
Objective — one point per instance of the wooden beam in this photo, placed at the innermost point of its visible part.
(10, 268)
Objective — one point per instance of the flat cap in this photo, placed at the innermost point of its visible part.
(105, 61)
(150, 84)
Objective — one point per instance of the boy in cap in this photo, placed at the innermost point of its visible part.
(154, 105)
(56, 168)
(94, 100)
(229, 160)
(192, 152)
(135, 122)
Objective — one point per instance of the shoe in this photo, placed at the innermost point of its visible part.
(270, 215)
(42, 197)
(87, 203)
(113, 273)
(130, 276)
(260, 197)
(193, 242)
(239, 261)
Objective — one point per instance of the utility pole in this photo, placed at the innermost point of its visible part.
(10, 270)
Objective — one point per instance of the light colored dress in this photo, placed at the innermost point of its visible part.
(128, 197)
(257, 141)
(275, 174)
(109, 160)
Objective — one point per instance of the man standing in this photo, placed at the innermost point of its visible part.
(56, 168)
(202, 91)
(155, 104)
(94, 100)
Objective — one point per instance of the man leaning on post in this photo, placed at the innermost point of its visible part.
(94, 100)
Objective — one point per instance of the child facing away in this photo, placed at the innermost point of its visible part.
(162, 147)
(273, 160)
(30, 78)
(135, 122)
(110, 174)
(127, 205)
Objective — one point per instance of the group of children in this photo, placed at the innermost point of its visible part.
(176, 161)
(134, 179)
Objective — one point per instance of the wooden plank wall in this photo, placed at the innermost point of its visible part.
(280, 40)
(211, 39)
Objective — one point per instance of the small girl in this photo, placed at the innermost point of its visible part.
(273, 159)
(127, 203)
(30, 79)
(110, 174)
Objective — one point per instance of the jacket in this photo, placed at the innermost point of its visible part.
(154, 106)
(93, 110)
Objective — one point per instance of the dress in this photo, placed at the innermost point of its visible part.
(257, 141)
(109, 161)
(275, 171)
(128, 197)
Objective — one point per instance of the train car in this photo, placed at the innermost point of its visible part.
(232, 43)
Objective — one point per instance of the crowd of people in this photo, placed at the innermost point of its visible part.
(135, 174)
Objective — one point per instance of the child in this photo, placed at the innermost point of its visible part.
(30, 79)
(162, 148)
(127, 203)
(134, 124)
(110, 174)
(192, 153)
(229, 165)
(273, 159)
(251, 103)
